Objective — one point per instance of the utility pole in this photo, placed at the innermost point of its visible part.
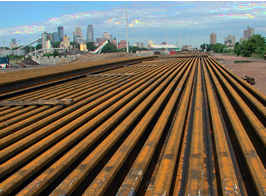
(127, 31)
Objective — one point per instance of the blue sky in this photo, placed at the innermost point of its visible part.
(174, 22)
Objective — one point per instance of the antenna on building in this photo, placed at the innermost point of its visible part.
(127, 30)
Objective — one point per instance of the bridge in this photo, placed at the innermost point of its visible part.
(45, 50)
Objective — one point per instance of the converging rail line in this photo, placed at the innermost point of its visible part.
(181, 126)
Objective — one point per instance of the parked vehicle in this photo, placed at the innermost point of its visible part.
(4, 62)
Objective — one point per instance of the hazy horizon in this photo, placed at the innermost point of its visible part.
(174, 22)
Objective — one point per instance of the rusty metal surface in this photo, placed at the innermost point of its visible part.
(181, 126)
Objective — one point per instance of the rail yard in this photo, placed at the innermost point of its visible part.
(177, 126)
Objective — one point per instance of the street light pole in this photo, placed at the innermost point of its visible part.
(127, 30)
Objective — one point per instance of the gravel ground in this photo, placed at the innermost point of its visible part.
(253, 67)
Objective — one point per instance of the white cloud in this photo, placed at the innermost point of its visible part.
(26, 29)
(179, 18)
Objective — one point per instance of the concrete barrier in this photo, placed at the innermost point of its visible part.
(44, 60)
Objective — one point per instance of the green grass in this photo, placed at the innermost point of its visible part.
(242, 61)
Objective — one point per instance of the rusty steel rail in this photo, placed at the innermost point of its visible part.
(26, 80)
(181, 126)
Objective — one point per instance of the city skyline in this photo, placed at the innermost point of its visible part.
(174, 22)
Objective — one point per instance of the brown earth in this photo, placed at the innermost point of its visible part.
(252, 67)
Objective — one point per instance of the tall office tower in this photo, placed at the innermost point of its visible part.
(90, 37)
(248, 33)
(44, 40)
(77, 35)
(213, 38)
(60, 31)
(55, 37)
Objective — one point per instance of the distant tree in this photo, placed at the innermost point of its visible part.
(29, 49)
(204, 46)
(55, 53)
(56, 44)
(246, 48)
(258, 45)
(109, 48)
(134, 49)
(15, 48)
(218, 47)
(255, 45)
(39, 46)
(15, 57)
(75, 45)
(208, 47)
(237, 48)
(90, 46)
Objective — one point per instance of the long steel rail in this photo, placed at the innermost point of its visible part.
(180, 126)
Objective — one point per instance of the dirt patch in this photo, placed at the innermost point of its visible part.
(244, 66)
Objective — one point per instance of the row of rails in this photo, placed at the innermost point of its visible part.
(25, 80)
(183, 126)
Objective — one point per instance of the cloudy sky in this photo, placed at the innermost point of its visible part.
(174, 22)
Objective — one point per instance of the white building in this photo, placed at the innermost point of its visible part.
(77, 36)
(161, 46)
(46, 43)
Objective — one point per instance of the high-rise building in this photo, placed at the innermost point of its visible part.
(60, 31)
(44, 40)
(107, 36)
(90, 37)
(213, 38)
(77, 35)
(230, 40)
(248, 33)
(55, 37)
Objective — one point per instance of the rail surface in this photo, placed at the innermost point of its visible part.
(182, 126)
(26, 79)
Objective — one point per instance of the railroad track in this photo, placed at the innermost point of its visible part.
(18, 82)
(183, 126)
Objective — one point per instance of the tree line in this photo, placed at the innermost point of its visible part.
(254, 46)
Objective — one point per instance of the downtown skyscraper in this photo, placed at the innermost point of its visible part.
(90, 37)
(60, 31)
(77, 36)
(213, 38)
